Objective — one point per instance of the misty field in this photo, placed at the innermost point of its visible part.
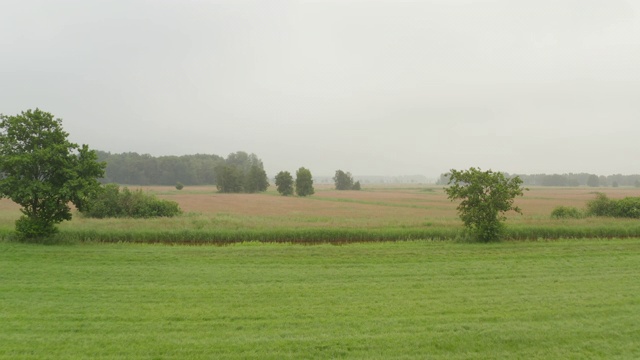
(377, 213)
(570, 299)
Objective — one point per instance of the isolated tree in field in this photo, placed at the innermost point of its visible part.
(304, 182)
(356, 186)
(343, 180)
(284, 183)
(485, 196)
(43, 172)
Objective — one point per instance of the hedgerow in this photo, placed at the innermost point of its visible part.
(111, 202)
(628, 207)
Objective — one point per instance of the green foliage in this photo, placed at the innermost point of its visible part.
(343, 180)
(241, 172)
(179, 185)
(34, 228)
(601, 206)
(228, 179)
(566, 212)
(43, 172)
(284, 183)
(304, 182)
(255, 180)
(485, 196)
(111, 202)
(629, 207)
(356, 186)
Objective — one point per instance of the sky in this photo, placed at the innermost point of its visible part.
(374, 87)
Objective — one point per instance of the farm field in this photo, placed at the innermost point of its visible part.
(98, 294)
(569, 299)
(373, 214)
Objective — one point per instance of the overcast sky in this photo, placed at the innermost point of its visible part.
(371, 87)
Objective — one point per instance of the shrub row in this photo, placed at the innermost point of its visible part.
(114, 203)
(332, 236)
(628, 207)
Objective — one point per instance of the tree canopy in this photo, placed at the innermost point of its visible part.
(284, 183)
(241, 172)
(304, 182)
(343, 180)
(43, 172)
(486, 196)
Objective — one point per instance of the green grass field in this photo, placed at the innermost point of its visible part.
(569, 299)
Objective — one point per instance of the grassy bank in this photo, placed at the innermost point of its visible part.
(313, 236)
(536, 300)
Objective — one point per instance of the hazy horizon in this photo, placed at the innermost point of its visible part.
(372, 87)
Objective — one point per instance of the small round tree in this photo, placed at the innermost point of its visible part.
(43, 172)
(304, 182)
(485, 196)
(284, 183)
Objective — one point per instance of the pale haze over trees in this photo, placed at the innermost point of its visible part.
(403, 88)
(241, 172)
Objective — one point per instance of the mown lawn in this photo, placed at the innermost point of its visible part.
(571, 299)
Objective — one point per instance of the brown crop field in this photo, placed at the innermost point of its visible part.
(377, 202)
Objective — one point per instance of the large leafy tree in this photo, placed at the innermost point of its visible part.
(43, 172)
(284, 183)
(485, 196)
(304, 182)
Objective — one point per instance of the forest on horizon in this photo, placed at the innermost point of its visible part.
(131, 168)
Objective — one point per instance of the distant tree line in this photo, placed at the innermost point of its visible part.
(143, 169)
(239, 172)
(570, 179)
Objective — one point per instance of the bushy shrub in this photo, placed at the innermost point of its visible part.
(601, 206)
(628, 207)
(179, 185)
(566, 212)
(111, 202)
(33, 228)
